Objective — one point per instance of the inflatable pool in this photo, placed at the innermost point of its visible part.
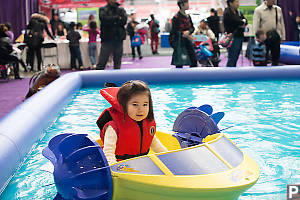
(25, 125)
(290, 53)
(201, 163)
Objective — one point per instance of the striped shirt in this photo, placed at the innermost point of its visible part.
(259, 51)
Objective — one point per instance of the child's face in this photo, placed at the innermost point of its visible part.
(138, 106)
(262, 37)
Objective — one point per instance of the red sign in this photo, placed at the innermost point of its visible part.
(72, 3)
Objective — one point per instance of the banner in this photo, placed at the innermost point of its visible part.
(73, 3)
(84, 13)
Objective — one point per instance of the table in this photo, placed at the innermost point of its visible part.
(64, 59)
(64, 52)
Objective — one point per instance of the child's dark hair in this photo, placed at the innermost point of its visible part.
(259, 33)
(181, 2)
(229, 1)
(93, 25)
(78, 25)
(72, 25)
(131, 88)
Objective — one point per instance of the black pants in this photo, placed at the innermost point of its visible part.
(138, 50)
(191, 52)
(273, 46)
(75, 54)
(31, 51)
(107, 48)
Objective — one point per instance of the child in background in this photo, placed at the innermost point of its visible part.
(128, 127)
(92, 45)
(74, 37)
(132, 31)
(259, 49)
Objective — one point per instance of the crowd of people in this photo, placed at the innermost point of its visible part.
(268, 25)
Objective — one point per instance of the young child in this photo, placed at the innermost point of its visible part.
(92, 46)
(127, 128)
(259, 49)
(74, 37)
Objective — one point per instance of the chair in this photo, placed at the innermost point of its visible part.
(49, 53)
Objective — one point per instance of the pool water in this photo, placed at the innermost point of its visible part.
(266, 125)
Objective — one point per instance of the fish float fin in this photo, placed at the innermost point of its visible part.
(206, 108)
(217, 116)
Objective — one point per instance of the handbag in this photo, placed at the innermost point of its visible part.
(226, 40)
(136, 41)
(180, 56)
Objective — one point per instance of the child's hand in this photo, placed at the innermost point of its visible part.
(186, 33)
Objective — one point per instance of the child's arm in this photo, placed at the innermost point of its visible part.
(110, 141)
(85, 28)
(157, 146)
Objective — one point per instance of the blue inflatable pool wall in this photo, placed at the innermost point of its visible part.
(25, 125)
(290, 53)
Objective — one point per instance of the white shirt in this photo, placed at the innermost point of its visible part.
(265, 19)
(207, 32)
(110, 141)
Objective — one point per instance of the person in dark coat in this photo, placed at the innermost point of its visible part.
(182, 23)
(234, 22)
(74, 45)
(213, 22)
(6, 52)
(113, 19)
(34, 37)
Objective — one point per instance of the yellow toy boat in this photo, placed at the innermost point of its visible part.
(216, 169)
(201, 163)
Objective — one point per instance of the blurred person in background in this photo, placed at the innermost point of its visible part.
(296, 22)
(132, 31)
(34, 37)
(93, 31)
(235, 23)
(54, 23)
(74, 36)
(113, 19)
(7, 55)
(182, 29)
(269, 18)
(213, 23)
(154, 31)
(90, 19)
(9, 32)
(168, 25)
(61, 31)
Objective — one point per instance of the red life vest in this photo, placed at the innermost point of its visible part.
(131, 140)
